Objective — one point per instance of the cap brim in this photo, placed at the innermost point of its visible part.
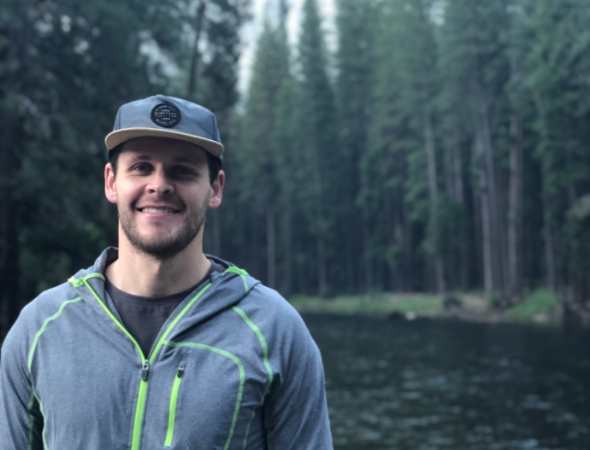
(117, 137)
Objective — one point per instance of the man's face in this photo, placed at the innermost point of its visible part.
(162, 192)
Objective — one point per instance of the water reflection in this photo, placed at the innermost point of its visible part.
(427, 385)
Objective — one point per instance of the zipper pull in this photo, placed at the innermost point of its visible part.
(180, 371)
(145, 370)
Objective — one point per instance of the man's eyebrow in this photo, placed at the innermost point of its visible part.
(140, 156)
(187, 160)
(183, 159)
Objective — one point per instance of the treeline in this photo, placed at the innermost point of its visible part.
(442, 146)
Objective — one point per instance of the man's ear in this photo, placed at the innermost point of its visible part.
(110, 190)
(217, 190)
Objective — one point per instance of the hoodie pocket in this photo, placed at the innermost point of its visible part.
(174, 391)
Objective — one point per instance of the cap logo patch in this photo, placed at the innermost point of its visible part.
(166, 115)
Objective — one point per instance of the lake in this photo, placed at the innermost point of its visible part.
(430, 385)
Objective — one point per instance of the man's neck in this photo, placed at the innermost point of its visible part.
(138, 273)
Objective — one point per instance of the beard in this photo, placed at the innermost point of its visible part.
(169, 242)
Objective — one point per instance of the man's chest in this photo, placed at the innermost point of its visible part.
(201, 391)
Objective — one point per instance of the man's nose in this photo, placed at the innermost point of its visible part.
(159, 183)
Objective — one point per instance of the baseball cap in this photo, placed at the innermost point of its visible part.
(166, 117)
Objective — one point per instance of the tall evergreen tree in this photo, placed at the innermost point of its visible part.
(476, 58)
(266, 152)
(355, 62)
(319, 142)
(557, 67)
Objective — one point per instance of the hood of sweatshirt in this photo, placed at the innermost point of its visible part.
(222, 291)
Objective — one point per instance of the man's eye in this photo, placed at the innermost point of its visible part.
(183, 172)
(141, 167)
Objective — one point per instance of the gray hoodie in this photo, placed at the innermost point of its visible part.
(234, 367)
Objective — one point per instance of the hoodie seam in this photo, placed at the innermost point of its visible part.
(30, 355)
(37, 337)
(263, 343)
(241, 374)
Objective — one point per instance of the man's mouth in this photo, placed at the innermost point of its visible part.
(158, 209)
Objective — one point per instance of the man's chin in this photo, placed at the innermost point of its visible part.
(162, 248)
(160, 251)
(161, 244)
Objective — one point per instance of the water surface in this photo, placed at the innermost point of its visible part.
(429, 385)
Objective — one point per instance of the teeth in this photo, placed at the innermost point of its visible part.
(157, 210)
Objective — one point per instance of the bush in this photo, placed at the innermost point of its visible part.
(540, 303)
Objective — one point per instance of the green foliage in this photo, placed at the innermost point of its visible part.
(317, 120)
(265, 174)
(541, 302)
(64, 68)
(374, 304)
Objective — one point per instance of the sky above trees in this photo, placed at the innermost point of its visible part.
(252, 29)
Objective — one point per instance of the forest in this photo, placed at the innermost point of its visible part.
(431, 146)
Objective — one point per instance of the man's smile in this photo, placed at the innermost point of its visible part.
(159, 209)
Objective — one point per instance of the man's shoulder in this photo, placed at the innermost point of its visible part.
(272, 310)
(38, 313)
(269, 297)
(261, 303)
(49, 301)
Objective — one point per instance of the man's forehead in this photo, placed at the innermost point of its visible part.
(159, 148)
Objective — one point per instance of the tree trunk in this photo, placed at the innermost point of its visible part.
(193, 75)
(515, 212)
(488, 271)
(434, 220)
(287, 252)
(322, 269)
(456, 191)
(548, 227)
(548, 240)
(367, 266)
(9, 267)
(9, 250)
(270, 247)
(493, 237)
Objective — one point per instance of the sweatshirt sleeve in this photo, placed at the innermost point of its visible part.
(20, 419)
(296, 413)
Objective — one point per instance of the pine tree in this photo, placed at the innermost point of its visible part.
(557, 65)
(319, 143)
(355, 64)
(266, 153)
(477, 66)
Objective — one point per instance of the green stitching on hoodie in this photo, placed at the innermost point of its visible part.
(242, 374)
(78, 282)
(30, 356)
(241, 272)
(261, 340)
(142, 390)
(264, 347)
(44, 327)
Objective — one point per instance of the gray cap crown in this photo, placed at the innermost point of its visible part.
(167, 117)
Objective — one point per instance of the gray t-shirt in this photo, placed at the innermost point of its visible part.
(144, 316)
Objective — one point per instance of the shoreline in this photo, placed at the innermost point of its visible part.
(538, 308)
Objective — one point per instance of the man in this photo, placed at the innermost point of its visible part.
(158, 345)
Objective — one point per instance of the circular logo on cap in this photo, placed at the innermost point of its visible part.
(166, 115)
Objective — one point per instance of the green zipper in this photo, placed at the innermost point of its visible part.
(145, 368)
(145, 362)
(172, 406)
(140, 406)
(241, 372)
